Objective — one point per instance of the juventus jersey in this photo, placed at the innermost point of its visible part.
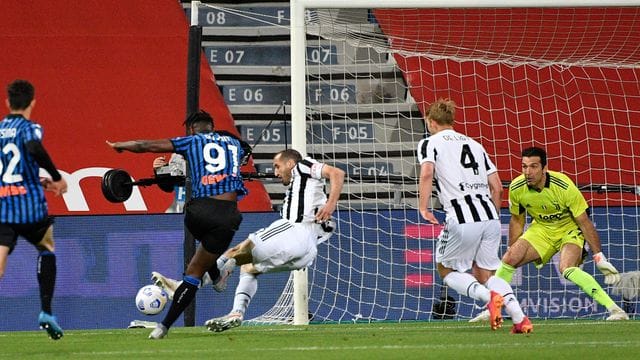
(22, 198)
(305, 194)
(554, 207)
(461, 168)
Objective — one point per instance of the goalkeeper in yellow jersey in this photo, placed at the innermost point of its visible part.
(559, 224)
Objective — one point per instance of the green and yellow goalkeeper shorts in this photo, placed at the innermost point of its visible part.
(548, 242)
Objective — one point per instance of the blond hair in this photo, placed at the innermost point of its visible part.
(442, 111)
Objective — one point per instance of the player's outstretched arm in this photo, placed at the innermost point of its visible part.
(142, 146)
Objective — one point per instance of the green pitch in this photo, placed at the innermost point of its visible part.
(552, 339)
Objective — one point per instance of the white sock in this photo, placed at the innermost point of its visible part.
(466, 284)
(206, 279)
(246, 289)
(511, 305)
(614, 307)
(221, 260)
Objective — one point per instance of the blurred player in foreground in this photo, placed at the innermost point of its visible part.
(470, 190)
(179, 192)
(212, 216)
(289, 243)
(23, 207)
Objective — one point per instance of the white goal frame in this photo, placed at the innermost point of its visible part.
(298, 62)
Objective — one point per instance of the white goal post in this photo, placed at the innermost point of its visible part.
(301, 109)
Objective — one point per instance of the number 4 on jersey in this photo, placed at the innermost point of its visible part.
(467, 160)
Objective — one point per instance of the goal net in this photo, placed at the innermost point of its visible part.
(564, 78)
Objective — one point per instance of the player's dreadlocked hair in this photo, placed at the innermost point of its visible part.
(197, 117)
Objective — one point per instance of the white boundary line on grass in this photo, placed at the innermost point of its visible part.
(423, 325)
(529, 343)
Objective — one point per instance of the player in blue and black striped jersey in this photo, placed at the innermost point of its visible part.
(23, 207)
(212, 215)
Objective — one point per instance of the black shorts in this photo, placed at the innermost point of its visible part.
(213, 222)
(33, 232)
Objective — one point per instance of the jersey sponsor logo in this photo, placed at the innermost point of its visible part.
(8, 133)
(12, 190)
(472, 186)
(212, 179)
(550, 217)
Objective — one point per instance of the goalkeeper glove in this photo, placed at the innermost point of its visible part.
(611, 274)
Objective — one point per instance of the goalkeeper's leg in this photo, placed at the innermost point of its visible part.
(570, 256)
(591, 287)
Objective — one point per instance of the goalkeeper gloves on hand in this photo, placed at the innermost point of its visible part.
(611, 274)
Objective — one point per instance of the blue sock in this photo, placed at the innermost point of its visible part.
(181, 299)
(192, 280)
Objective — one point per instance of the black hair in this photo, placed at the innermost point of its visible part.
(199, 117)
(536, 151)
(20, 94)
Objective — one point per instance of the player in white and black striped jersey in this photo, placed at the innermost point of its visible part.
(470, 191)
(289, 243)
(461, 182)
(305, 195)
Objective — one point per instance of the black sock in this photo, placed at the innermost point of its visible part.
(181, 299)
(46, 279)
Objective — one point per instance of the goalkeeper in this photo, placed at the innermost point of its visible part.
(560, 224)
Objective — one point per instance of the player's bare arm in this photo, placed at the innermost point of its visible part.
(495, 187)
(516, 227)
(336, 180)
(589, 231)
(142, 146)
(425, 186)
(57, 187)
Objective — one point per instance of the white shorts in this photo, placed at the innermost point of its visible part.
(459, 245)
(283, 246)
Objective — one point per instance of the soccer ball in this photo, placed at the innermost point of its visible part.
(151, 299)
